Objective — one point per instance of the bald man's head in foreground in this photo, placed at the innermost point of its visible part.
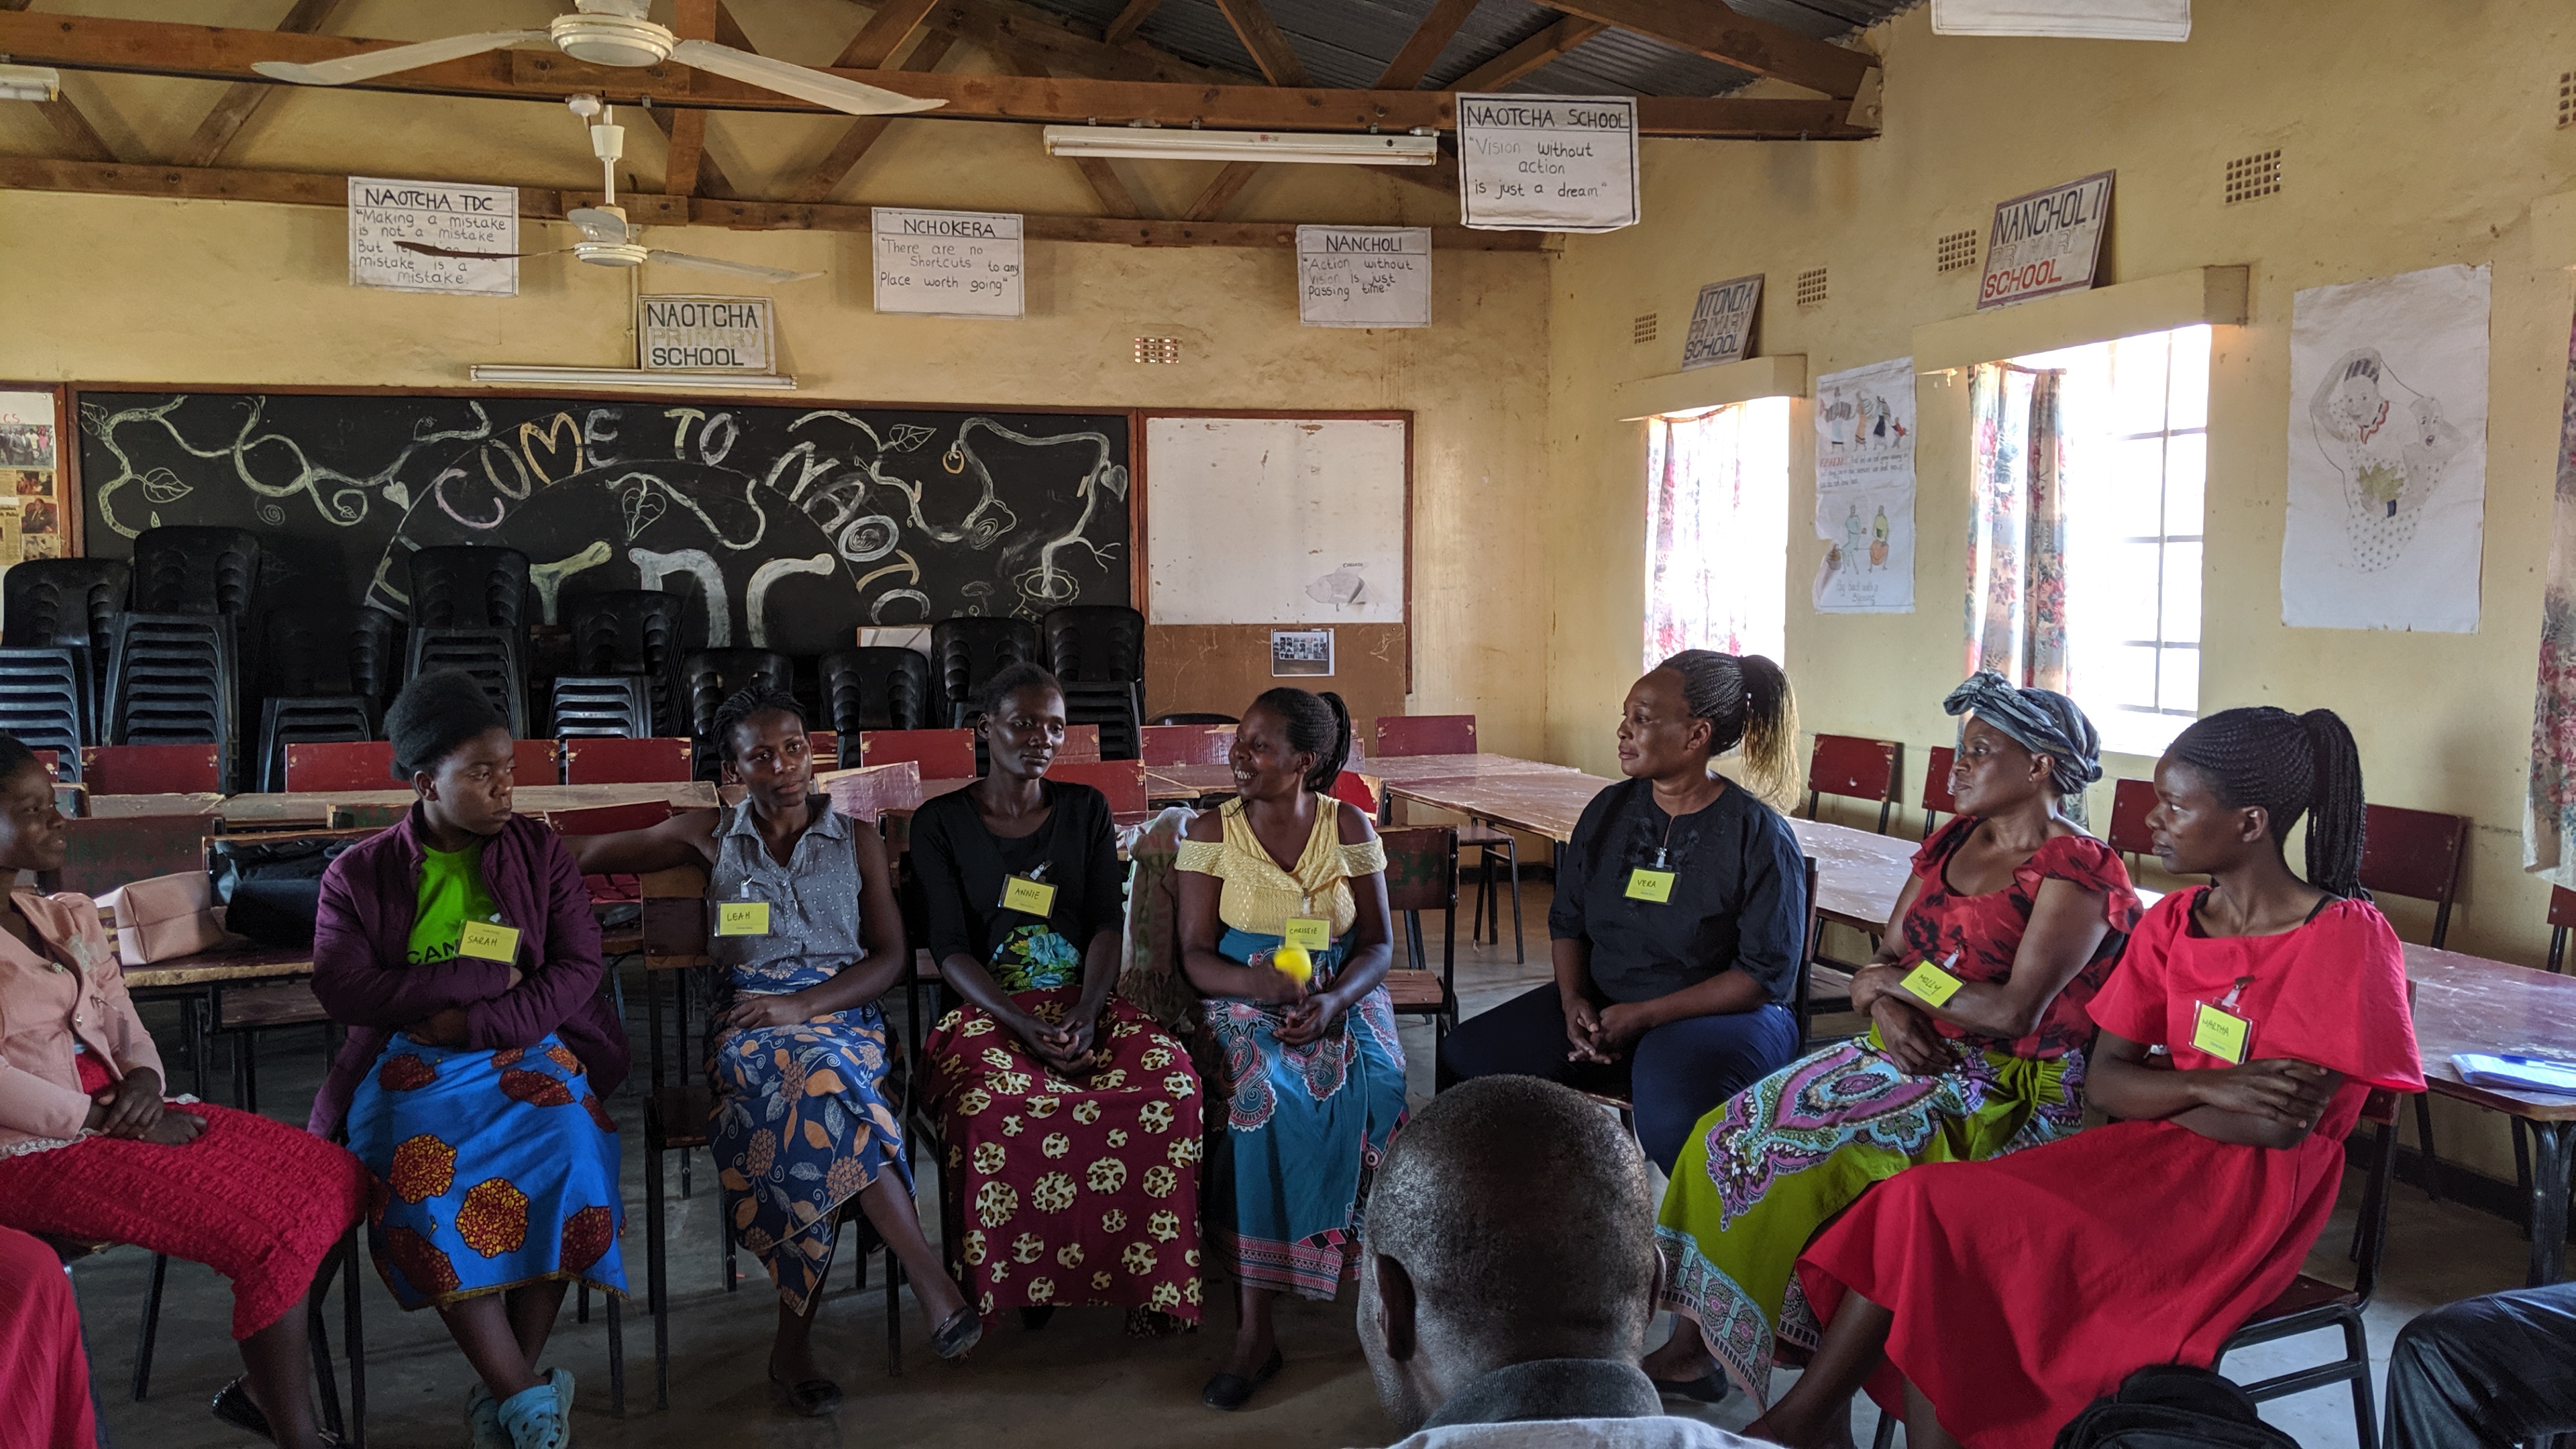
(1512, 1221)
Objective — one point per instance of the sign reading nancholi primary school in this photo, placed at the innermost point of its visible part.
(2046, 242)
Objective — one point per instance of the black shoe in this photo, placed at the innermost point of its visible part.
(812, 1398)
(1035, 1316)
(957, 1337)
(1232, 1391)
(1708, 1388)
(234, 1407)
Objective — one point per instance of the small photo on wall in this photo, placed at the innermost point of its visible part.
(27, 445)
(41, 545)
(36, 515)
(27, 483)
(1300, 651)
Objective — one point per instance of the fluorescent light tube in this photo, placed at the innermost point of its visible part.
(30, 83)
(530, 374)
(1174, 144)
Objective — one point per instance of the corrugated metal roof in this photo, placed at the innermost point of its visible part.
(1347, 43)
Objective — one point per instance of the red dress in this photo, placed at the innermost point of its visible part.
(1984, 931)
(2027, 1286)
(44, 1377)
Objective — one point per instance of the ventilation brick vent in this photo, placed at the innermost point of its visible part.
(1158, 349)
(1642, 331)
(1811, 288)
(1957, 251)
(2567, 98)
(2252, 176)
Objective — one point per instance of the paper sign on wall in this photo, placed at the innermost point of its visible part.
(1721, 325)
(1865, 489)
(2046, 242)
(1364, 276)
(705, 334)
(1547, 163)
(948, 263)
(439, 214)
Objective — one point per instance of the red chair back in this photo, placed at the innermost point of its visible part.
(942, 754)
(2562, 914)
(1081, 742)
(825, 748)
(593, 760)
(1123, 781)
(1353, 788)
(2414, 853)
(1850, 766)
(52, 761)
(536, 762)
(1425, 734)
(152, 769)
(1188, 744)
(2130, 802)
(106, 852)
(342, 765)
(1936, 781)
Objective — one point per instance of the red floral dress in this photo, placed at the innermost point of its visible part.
(1984, 931)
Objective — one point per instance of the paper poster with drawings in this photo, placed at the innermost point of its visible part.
(2388, 453)
(1865, 489)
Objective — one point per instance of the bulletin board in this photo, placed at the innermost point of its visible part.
(1279, 519)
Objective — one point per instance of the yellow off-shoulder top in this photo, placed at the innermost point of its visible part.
(1258, 896)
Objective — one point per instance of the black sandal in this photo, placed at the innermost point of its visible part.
(1034, 1316)
(957, 1337)
(232, 1405)
(813, 1398)
(1232, 1391)
(1708, 1388)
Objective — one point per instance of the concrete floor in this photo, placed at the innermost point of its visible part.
(1079, 1382)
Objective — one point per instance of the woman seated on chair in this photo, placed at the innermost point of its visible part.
(1681, 911)
(1283, 931)
(458, 948)
(1070, 1122)
(2244, 1026)
(90, 1151)
(2020, 915)
(809, 937)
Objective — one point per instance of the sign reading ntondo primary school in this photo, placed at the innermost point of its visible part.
(2046, 242)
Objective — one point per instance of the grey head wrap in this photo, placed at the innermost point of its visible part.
(2041, 721)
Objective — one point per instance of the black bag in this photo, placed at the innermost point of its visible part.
(2173, 1406)
(272, 889)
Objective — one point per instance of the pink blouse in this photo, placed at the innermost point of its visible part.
(70, 998)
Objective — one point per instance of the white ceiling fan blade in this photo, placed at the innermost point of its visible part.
(795, 80)
(600, 225)
(425, 249)
(386, 62)
(739, 269)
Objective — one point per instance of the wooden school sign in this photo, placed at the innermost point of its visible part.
(2045, 242)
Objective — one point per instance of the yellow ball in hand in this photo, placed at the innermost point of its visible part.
(1293, 963)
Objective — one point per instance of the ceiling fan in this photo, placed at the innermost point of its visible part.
(608, 239)
(611, 32)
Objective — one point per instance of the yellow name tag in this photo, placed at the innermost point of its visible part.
(1019, 893)
(2222, 1034)
(487, 941)
(1650, 885)
(1932, 983)
(1308, 933)
(742, 918)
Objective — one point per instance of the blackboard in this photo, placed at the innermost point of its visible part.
(791, 526)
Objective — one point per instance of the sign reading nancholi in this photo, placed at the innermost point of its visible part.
(1721, 325)
(1364, 276)
(948, 263)
(434, 213)
(706, 334)
(1547, 163)
(2046, 242)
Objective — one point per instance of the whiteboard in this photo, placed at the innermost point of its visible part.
(1275, 520)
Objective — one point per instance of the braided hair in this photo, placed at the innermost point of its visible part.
(1745, 699)
(2288, 765)
(742, 704)
(1317, 722)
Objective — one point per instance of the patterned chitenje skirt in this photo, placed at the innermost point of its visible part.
(1074, 1192)
(493, 1170)
(1766, 1170)
(1305, 1128)
(801, 1126)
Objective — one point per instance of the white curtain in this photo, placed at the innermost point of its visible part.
(1717, 531)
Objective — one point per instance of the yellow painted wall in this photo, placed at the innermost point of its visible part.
(106, 289)
(2411, 136)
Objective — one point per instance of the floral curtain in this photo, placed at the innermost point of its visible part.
(2549, 810)
(2016, 608)
(1716, 532)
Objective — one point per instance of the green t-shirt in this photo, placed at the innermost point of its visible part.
(451, 893)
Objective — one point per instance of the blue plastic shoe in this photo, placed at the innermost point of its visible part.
(541, 1417)
(483, 1420)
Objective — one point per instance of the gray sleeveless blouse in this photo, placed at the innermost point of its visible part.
(813, 902)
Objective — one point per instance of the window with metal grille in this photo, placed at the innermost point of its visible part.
(2252, 176)
(1642, 331)
(1956, 251)
(1158, 349)
(2136, 415)
(1811, 288)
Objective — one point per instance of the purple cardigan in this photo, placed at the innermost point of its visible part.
(363, 932)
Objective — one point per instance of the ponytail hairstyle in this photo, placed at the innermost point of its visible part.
(1746, 701)
(2289, 765)
(1317, 722)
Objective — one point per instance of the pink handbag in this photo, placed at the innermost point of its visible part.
(165, 916)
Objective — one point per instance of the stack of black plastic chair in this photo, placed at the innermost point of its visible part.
(376, 654)
(308, 662)
(57, 617)
(1098, 651)
(712, 674)
(171, 681)
(469, 586)
(875, 689)
(634, 631)
(491, 656)
(192, 570)
(594, 705)
(307, 720)
(966, 651)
